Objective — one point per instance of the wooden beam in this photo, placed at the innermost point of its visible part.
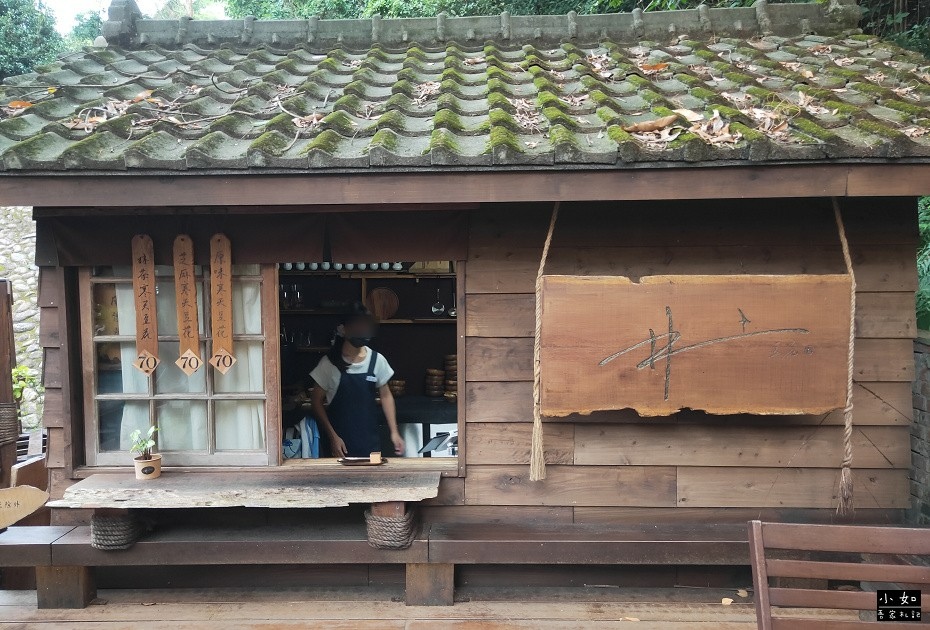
(430, 584)
(810, 180)
(65, 587)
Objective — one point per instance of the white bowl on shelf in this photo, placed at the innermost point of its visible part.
(288, 266)
(350, 266)
(397, 266)
(314, 266)
(325, 266)
(362, 266)
(300, 266)
(337, 266)
(385, 266)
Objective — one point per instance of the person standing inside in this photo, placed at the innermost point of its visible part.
(348, 379)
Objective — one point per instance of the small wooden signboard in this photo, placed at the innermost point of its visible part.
(19, 502)
(723, 344)
(221, 320)
(186, 299)
(143, 286)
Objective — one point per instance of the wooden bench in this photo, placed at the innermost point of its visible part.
(31, 546)
(853, 553)
(685, 544)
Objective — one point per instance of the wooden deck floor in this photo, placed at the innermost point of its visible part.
(383, 609)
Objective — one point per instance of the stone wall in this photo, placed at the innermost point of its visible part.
(920, 434)
(17, 263)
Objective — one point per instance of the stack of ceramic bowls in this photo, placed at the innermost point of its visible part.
(434, 382)
(452, 377)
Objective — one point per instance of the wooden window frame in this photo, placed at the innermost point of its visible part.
(445, 465)
(270, 456)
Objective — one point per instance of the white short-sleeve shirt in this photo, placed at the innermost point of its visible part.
(327, 375)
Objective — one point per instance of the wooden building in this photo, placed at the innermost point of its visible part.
(697, 143)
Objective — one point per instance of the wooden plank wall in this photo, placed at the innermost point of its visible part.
(616, 467)
(61, 412)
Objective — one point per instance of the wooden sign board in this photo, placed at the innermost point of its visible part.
(143, 286)
(723, 344)
(19, 502)
(185, 289)
(221, 317)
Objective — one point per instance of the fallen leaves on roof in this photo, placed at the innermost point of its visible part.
(772, 123)
(424, 91)
(600, 63)
(473, 61)
(651, 125)
(689, 115)
(906, 91)
(915, 132)
(794, 66)
(715, 130)
(525, 114)
(309, 121)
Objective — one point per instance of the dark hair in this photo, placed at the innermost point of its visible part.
(356, 311)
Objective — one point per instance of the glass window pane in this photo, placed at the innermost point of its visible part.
(239, 425)
(106, 310)
(118, 419)
(115, 373)
(168, 311)
(169, 379)
(247, 375)
(182, 425)
(247, 308)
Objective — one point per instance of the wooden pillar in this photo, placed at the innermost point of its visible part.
(65, 587)
(389, 508)
(430, 584)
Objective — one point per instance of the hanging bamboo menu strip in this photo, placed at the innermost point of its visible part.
(189, 359)
(221, 303)
(143, 288)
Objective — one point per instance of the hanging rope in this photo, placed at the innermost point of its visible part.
(845, 506)
(537, 451)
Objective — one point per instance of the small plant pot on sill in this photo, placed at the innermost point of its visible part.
(148, 468)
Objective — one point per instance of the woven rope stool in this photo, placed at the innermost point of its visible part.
(115, 532)
(391, 532)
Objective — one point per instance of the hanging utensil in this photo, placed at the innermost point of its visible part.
(452, 310)
(438, 308)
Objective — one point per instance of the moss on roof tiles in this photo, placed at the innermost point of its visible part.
(379, 102)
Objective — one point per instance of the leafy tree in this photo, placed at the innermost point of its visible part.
(85, 31)
(27, 36)
(197, 9)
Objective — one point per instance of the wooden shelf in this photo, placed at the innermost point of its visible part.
(358, 275)
(420, 320)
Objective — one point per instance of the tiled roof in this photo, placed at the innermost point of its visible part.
(532, 102)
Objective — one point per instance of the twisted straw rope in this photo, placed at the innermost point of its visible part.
(537, 452)
(845, 506)
(391, 532)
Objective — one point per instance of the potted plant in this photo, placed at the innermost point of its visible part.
(148, 464)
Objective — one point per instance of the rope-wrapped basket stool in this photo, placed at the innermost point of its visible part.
(9, 423)
(115, 532)
(391, 532)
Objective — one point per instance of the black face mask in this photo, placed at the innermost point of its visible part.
(358, 342)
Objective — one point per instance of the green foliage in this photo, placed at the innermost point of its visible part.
(24, 378)
(923, 264)
(143, 444)
(27, 36)
(85, 31)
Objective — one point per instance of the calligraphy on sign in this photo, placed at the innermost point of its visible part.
(143, 286)
(185, 288)
(222, 357)
(722, 344)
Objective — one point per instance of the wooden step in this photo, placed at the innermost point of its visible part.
(720, 544)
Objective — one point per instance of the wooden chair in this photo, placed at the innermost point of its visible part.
(879, 549)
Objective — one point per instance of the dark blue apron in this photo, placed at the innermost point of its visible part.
(354, 413)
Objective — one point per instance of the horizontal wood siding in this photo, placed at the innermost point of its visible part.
(618, 467)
